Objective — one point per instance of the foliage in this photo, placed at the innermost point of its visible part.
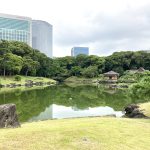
(17, 78)
(133, 76)
(122, 61)
(19, 58)
(90, 72)
(142, 89)
(76, 71)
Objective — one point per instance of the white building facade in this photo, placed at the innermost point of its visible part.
(42, 36)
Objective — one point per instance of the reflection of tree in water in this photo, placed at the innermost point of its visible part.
(33, 102)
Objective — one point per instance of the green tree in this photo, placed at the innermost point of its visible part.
(11, 63)
(76, 71)
(30, 66)
(91, 71)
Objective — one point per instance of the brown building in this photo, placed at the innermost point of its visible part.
(111, 75)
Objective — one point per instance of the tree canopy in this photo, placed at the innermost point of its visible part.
(19, 58)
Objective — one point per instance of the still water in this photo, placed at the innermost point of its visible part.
(57, 112)
(63, 101)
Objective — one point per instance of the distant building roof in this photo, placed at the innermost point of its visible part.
(132, 71)
(141, 69)
(111, 73)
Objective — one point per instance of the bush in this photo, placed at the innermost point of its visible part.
(90, 72)
(142, 88)
(17, 78)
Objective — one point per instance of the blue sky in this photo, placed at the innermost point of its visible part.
(103, 26)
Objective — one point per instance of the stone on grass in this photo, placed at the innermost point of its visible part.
(133, 111)
(8, 116)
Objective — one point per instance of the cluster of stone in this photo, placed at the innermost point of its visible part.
(28, 83)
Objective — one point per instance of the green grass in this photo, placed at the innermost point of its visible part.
(74, 81)
(11, 79)
(81, 79)
(79, 134)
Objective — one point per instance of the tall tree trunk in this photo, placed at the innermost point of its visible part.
(27, 72)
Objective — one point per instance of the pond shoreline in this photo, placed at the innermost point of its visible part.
(25, 81)
(97, 81)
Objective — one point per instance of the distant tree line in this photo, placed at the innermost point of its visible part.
(19, 58)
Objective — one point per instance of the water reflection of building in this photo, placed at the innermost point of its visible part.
(46, 114)
(75, 108)
(59, 112)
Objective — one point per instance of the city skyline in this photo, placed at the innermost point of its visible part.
(104, 26)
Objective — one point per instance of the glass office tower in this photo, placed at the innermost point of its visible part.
(15, 28)
(42, 36)
(79, 50)
(24, 29)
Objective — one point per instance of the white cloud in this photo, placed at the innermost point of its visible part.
(104, 26)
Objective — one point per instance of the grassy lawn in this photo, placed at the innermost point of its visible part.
(76, 81)
(79, 134)
(11, 79)
(80, 79)
(146, 108)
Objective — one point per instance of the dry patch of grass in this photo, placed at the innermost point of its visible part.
(79, 134)
(146, 108)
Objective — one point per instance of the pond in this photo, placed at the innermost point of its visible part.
(63, 101)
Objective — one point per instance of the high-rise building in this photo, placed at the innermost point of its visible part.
(35, 33)
(79, 50)
(42, 36)
(16, 28)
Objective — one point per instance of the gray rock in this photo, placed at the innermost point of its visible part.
(1, 85)
(8, 116)
(13, 85)
(133, 111)
(7, 85)
(48, 83)
(29, 83)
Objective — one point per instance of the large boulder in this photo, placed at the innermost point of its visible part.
(8, 116)
(133, 111)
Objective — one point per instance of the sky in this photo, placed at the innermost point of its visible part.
(105, 26)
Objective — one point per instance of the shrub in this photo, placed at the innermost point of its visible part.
(142, 88)
(17, 78)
